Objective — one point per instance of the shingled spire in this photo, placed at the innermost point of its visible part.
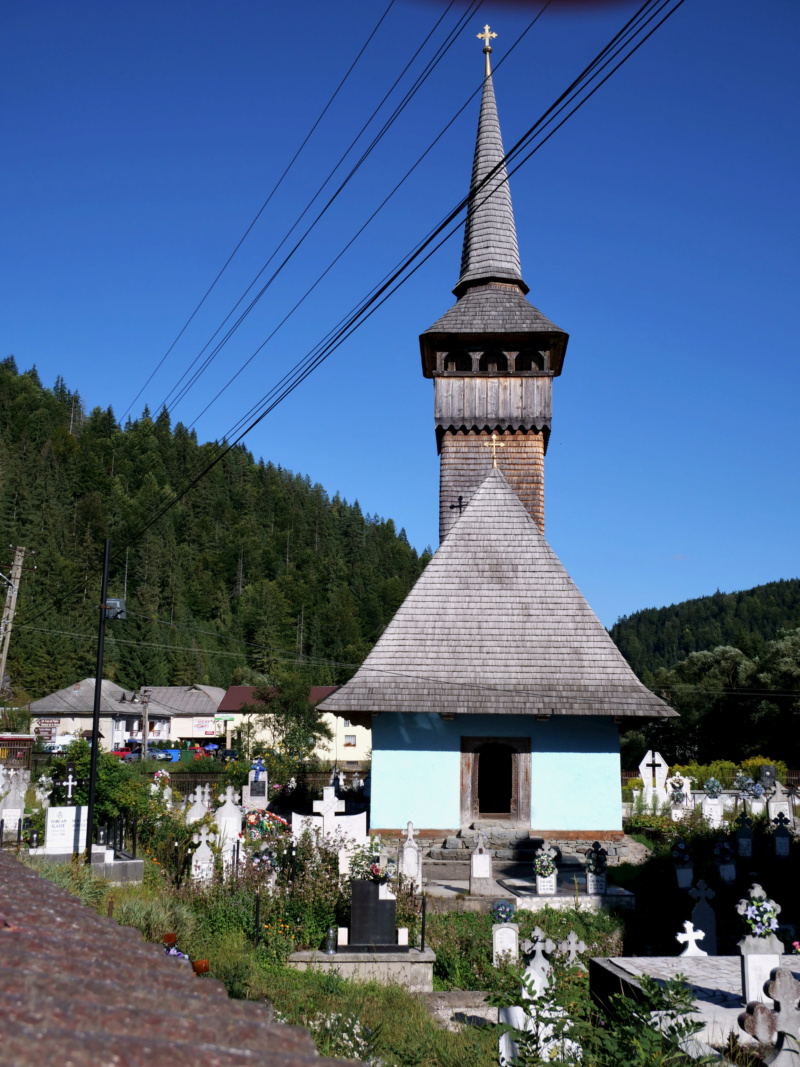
(490, 251)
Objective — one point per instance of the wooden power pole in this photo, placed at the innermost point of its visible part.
(10, 608)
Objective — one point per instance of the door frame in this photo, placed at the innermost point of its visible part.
(520, 777)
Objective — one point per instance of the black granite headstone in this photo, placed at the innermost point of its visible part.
(258, 789)
(373, 922)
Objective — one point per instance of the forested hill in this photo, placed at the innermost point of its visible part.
(661, 637)
(254, 567)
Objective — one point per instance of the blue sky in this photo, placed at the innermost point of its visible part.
(659, 227)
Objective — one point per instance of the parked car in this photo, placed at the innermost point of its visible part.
(164, 755)
(132, 757)
(121, 752)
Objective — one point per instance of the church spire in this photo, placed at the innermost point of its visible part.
(490, 251)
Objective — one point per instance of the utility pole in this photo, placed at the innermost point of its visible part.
(10, 608)
(98, 686)
(145, 722)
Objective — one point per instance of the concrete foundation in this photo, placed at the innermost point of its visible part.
(413, 969)
(104, 864)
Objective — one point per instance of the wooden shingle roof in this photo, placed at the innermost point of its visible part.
(490, 236)
(496, 626)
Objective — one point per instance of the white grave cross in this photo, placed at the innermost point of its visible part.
(690, 937)
(571, 948)
(537, 973)
(328, 808)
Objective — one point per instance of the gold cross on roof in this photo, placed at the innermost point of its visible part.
(494, 444)
(486, 36)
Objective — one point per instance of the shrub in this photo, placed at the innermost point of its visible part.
(158, 916)
(751, 766)
(76, 877)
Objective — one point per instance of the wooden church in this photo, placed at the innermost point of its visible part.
(495, 693)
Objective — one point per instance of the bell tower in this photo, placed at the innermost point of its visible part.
(493, 355)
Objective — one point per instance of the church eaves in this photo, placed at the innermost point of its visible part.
(496, 626)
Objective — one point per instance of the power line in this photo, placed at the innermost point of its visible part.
(449, 40)
(293, 378)
(264, 205)
(620, 40)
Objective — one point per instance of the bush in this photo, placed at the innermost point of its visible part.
(158, 916)
(751, 766)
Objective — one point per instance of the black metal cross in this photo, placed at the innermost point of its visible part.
(458, 505)
(652, 765)
(70, 782)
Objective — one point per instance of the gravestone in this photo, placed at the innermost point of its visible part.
(373, 919)
(546, 884)
(328, 808)
(348, 827)
(713, 808)
(254, 794)
(760, 953)
(202, 857)
(653, 771)
(780, 804)
(744, 834)
(704, 918)
(43, 787)
(689, 938)
(505, 943)
(481, 882)
(679, 791)
(410, 857)
(341, 779)
(538, 970)
(768, 777)
(12, 804)
(358, 783)
(228, 818)
(570, 948)
(781, 836)
(197, 809)
(784, 1023)
(65, 829)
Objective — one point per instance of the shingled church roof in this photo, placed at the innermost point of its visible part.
(495, 625)
(490, 248)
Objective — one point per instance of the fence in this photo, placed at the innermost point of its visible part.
(16, 752)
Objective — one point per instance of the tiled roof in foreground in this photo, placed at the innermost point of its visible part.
(78, 990)
(495, 625)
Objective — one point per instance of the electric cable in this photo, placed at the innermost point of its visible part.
(453, 34)
(402, 274)
(264, 205)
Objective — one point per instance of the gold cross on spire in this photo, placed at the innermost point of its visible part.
(494, 444)
(486, 36)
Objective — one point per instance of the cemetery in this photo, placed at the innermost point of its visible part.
(505, 944)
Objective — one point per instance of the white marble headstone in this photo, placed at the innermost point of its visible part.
(653, 770)
(65, 829)
(505, 943)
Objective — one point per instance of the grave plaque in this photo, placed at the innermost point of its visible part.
(65, 829)
(546, 886)
(258, 789)
(505, 943)
(373, 922)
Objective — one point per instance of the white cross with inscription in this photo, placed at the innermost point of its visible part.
(690, 937)
(411, 833)
(537, 973)
(328, 808)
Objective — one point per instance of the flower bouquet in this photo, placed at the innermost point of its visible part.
(503, 912)
(596, 861)
(761, 949)
(743, 783)
(379, 875)
(544, 867)
(713, 788)
(723, 853)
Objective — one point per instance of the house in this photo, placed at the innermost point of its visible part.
(495, 693)
(352, 739)
(175, 713)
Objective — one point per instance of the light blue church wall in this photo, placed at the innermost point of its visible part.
(416, 769)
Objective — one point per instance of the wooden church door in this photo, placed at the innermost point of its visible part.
(496, 779)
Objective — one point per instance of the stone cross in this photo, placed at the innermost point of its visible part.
(328, 807)
(537, 973)
(781, 835)
(703, 917)
(653, 772)
(197, 808)
(203, 857)
(690, 937)
(207, 795)
(570, 948)
(784, 1023)
(410, 858)
(744, 833)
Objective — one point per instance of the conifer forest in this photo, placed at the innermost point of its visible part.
(253, 569)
